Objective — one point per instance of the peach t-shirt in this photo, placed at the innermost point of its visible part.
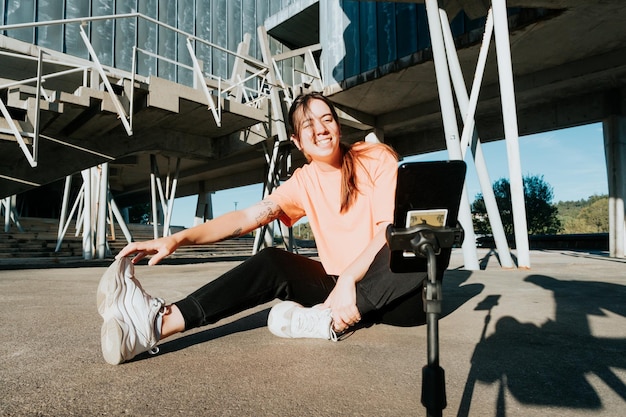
(311, 192)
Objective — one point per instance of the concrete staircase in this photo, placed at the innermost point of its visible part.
(80, 127)
(140, 232)
(39, 239)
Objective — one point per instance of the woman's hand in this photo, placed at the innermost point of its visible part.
(160, 248)
(342, 302)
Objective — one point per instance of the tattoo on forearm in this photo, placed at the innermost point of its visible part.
(270, 212)
(235, 233)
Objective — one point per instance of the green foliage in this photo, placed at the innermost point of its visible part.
(303, 231)
(585, 216)
(541, 214)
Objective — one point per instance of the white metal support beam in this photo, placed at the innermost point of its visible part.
(116, 102)
(511, 133)
(87, 224)
(171, 199)
(153, 198)
(239, 67)
(450, 126)
(467, 105)
(277, 116)
(39, 90)
(101, 210)
(91, 205)
(17, 134)
(278, 125)
(119, 217)
(64, 221)
(10, 215)
(266, 234)
(197, 70)
(165, 197)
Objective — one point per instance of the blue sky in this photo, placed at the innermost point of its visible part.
(571, 160)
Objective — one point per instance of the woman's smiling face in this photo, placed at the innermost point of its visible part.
(317, 133)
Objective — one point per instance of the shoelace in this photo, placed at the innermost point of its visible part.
(312, 321)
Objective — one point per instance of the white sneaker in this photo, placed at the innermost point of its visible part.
(292, 320)
(132, 318)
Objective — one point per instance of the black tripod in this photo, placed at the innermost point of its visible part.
(426, 242)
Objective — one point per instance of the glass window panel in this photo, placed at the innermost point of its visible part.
(204, 24)
(406, 27)
(74, 44)
(262, 11)
(386, 29)
(369, 43)
(351, 38)
(249, 25)
(332, 26)
(275, 6)
(167, 39)
(50, 36)
(220, 58)
(234, 36)
(185, 23)
(21, 11)
(423, 36)
(101, 35)
(147, 38)
(125, 34)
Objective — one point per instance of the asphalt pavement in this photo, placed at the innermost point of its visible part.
(548, 341)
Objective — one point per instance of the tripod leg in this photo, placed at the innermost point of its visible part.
(433, 376)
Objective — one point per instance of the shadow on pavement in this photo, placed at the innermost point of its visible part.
(251, 322)
(548, 365)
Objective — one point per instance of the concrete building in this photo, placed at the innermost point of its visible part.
(176, 98)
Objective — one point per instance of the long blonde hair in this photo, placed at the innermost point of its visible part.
(349, 155)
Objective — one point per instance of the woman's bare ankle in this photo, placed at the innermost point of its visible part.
(173, 321)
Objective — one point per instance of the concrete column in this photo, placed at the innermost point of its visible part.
(64, 205)
(6, 203)
(101, 219)
(87, 216)
(204, 208)
(615, 151)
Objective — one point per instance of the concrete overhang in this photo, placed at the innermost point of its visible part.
(569, 68)
(569, 64)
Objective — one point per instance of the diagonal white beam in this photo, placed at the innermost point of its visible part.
(511, 134)
(116, 102)
(468, 111)
(450, 126)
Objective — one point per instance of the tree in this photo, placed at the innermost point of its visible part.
(303, 231)
(139, 213)
(596, 216)
(541, 214)
(589, 215)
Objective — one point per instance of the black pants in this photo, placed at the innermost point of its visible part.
(382, 296)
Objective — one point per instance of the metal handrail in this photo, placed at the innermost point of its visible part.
(106, 70)
(254, 62)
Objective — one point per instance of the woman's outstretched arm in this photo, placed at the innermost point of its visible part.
(229, 225)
